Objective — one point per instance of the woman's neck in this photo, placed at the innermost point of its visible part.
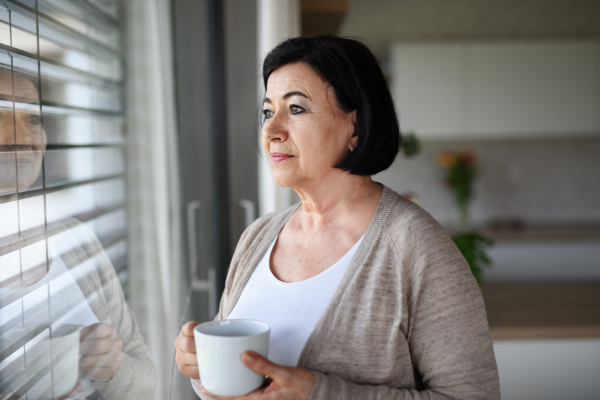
(343, 199)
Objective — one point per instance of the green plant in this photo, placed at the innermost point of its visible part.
(460, 173)
(410, 145)
(473, 246)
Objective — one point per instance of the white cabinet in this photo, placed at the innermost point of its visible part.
(429, 88)
(498, 90)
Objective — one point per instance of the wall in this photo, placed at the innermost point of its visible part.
(382, 22)
(537, 182)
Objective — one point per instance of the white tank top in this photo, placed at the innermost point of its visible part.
(291, 309)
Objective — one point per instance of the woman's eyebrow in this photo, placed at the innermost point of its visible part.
(287, 96)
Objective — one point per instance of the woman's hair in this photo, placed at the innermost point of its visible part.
(353, 72)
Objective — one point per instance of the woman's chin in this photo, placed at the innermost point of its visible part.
(284, 180)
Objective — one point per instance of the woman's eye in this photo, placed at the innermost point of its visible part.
(267, 114)
(33, 119)
(296, 109)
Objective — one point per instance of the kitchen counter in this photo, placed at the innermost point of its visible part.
(553, 310)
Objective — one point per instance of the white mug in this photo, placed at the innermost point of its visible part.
(65, 351)
(52, 358)
(220, 346)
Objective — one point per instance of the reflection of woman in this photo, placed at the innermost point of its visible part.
(113, 354)
(367, 296)
(22, 137)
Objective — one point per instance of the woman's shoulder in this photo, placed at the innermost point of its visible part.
(407, 224)
(421, 244)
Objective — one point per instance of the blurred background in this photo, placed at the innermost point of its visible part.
(139, 120)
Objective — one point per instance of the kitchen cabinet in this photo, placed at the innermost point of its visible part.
(498, 90)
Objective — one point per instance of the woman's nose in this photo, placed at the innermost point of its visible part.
(275, 128)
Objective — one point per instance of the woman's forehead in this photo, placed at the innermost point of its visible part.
(17, 85)
(297, 77)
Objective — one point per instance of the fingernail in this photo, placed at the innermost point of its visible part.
(250, 357)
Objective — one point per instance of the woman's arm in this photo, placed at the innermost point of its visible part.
(136, 375)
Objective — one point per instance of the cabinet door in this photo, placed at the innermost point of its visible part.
(429, 89)
(532, 89)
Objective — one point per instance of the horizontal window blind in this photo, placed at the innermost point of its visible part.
(62, 176)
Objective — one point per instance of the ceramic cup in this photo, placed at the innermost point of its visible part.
(65, 352)
(52, 358)
(219, 347)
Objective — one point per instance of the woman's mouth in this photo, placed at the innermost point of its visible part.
(279, 157)
(20, 162)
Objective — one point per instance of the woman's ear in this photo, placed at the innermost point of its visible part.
(354, 137)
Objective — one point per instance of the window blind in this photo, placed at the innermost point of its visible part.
(62, 173)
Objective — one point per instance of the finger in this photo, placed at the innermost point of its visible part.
(76, 390)
(188, 328)
(109, 359)
(187, 344)
(100, 375)
(97, 331)
(190, 371)
(185, 359)
(95, 346)
(263, 366)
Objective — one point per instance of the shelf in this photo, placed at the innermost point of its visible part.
(557, 232)
(543, 310)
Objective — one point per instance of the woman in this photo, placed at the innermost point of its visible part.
(391, 308)
(78, 285)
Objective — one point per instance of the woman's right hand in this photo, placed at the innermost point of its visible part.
(185, 349)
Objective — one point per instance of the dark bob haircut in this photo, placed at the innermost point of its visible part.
(352, 70)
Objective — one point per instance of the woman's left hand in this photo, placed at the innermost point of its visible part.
(100, 351)
(286, 383)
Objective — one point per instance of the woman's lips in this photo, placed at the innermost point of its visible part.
(279, 157)
(20, 162)
(23, 162)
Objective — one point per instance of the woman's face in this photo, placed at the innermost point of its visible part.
(22, 136)
(305, 133)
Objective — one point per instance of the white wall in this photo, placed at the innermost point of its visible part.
(277, 20)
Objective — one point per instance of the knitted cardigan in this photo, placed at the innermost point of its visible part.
(406, 322)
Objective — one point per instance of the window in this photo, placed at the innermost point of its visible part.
(62, 176)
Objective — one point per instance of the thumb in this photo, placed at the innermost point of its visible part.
(260, 364)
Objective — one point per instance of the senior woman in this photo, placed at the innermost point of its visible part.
(366, 295)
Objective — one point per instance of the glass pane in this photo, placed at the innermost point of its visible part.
(83, 20)
(4, 28)
(62, 193)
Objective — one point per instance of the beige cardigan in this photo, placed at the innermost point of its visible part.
(406, 322)
(136, 376)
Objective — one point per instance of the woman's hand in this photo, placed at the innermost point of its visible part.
(285, 383)
(185, 351)
(100, 350)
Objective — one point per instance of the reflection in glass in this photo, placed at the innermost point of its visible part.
(65, 328)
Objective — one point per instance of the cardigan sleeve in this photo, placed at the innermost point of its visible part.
(448, 334)
(136, 375)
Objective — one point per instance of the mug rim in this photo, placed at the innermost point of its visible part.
(204, 324)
